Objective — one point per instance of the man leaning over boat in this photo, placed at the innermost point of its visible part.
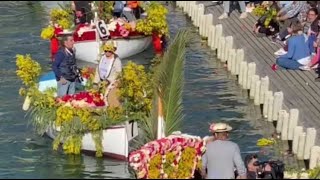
(108, 70)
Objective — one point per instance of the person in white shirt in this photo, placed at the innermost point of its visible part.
(109, 67)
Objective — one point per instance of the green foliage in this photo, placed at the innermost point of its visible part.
(169, 80)
(105, 10)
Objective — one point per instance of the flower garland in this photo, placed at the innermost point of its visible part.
(176, 156)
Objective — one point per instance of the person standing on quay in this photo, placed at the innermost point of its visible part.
(226, 8)
(222, 156)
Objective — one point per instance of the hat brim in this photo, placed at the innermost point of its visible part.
(223, 130)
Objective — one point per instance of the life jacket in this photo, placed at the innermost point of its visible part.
(133, 4)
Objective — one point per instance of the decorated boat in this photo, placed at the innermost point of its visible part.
(122, 133)
(85, 121)
(130, 38)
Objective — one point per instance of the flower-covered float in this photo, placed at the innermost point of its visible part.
(84, 121)
(130, 38)
(174, 157)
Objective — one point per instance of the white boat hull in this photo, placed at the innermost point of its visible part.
(115, 140)
(89, 51)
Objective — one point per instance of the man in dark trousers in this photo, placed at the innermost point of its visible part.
(64, 67)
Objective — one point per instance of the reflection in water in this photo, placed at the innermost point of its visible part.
(209, 95)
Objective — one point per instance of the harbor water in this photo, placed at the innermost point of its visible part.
(210, 95)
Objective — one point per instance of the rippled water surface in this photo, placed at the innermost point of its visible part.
(209, 95)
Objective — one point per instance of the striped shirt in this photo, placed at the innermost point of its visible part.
(299, 9)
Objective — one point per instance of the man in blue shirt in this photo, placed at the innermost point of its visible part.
(64, 66)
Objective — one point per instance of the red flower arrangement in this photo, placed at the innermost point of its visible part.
(83, 99)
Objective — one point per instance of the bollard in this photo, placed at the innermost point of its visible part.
(251, 72)
(223, 48)
(209, 20)
(222, 42)
(240, 75)
(192, 9)
(211, 35)
(233, 61)
(199, 16)
(194, 13)
(254, 79)
(267, 95)
(310, 141)
(218, 35)
(257, 93)
(314, 158)
(202, 21)
(187, 7)
(293, 122)
(232, 53)
(297, 131)
(285, 126)
(280, 121)
(301, 144)
(244, 71)
(277, 104)
(228, 45)
(239, 59)
(264, 88)
(213, 38)
(270, 107)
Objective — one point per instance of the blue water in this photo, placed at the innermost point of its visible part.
(210, 95)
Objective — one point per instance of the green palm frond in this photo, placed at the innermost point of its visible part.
(169, 81)
(168, 85)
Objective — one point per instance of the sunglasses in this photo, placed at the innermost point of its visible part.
(108, 51)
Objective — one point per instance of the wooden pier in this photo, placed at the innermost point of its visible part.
(290, 99)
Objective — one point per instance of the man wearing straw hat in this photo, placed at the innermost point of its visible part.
(108, 70)
(222, 155)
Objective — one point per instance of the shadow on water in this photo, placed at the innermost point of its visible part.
(209, 96)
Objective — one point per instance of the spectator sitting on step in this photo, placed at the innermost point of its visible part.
(311, 28)
(295, 12)
(298, 54)
(226, 8)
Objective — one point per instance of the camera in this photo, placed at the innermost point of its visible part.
(277, 169)
(77, 72)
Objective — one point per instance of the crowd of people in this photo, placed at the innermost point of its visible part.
(294, 25)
